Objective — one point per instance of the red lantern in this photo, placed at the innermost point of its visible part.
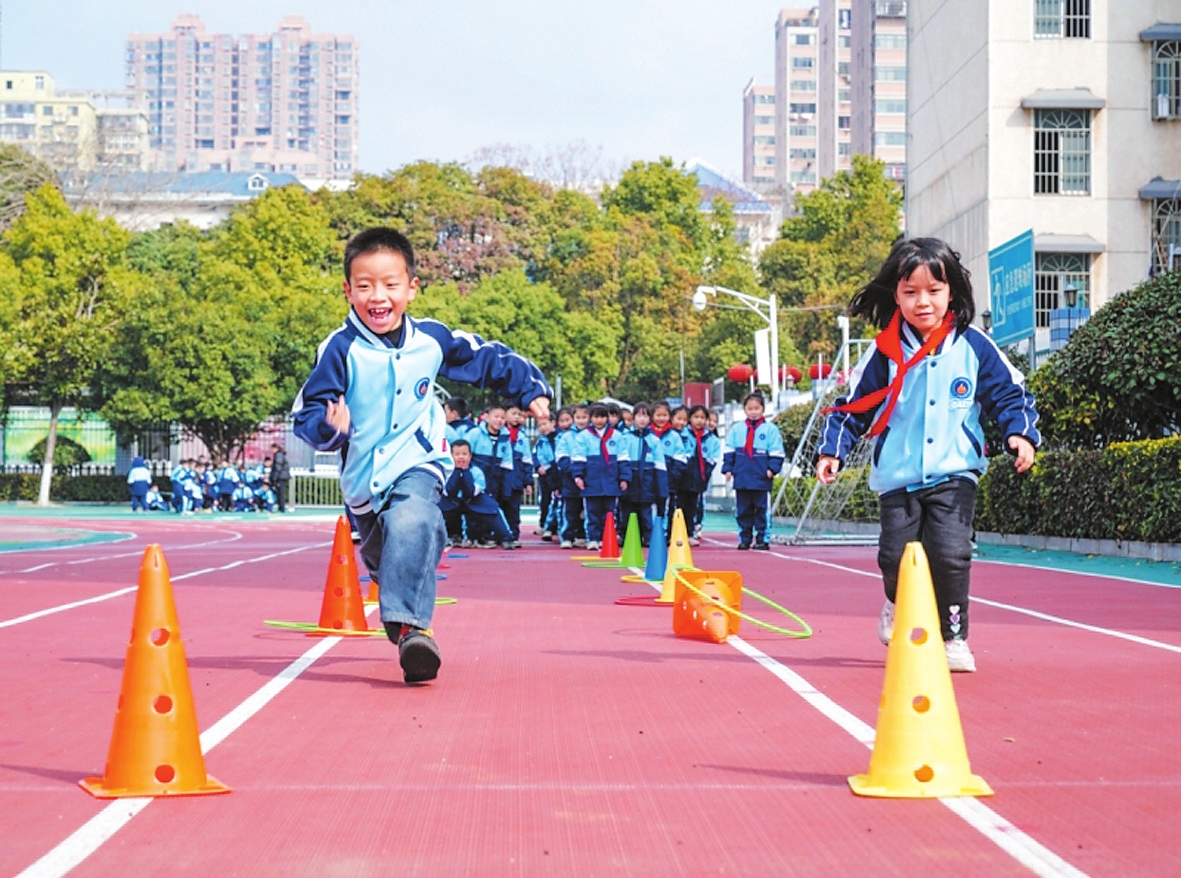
(740, 372)
(817, 371)
(790, 372)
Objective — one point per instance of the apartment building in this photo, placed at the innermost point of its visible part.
(1060, 115)
(758, 133)
(834, 91)
(280, 102)
(878, 70)
(796, 99)
(61, 130)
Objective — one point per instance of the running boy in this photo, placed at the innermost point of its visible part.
(924, 386)
(370, 391)
(754, 456)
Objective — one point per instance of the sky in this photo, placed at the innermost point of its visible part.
(441, 79)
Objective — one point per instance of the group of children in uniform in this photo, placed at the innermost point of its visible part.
(199, 486)
(593, 458)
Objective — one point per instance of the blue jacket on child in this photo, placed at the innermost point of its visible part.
(599, 460)
(139, 477)
(699, 464)
(494, 456)
(646, 472)
(673, 445)
(467, 490)
(397, 424)
(564, 448)
(935, 432)
(459, 429)
(522, 458)
(750, 465)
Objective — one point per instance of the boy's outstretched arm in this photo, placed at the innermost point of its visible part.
(321, 417)
(472, 360)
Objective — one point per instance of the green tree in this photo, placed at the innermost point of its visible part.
(75, 288)
(1119, 377)
(20, 174)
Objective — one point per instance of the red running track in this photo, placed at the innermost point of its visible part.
(567, 735)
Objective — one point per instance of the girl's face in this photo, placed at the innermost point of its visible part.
(564, 421)
(660, 417)
(640, 420)
(753, 409)
(697, 422)
(680, 419)
(923, 300)
(581, 418)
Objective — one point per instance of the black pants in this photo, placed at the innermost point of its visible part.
(545, 496)
(281, 494)
(575, 527)
(941, 519)
(484, 523)
(643, 513)
(511, 507)
(687, 503)
(750, 510)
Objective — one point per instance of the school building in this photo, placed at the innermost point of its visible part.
(1063, 116)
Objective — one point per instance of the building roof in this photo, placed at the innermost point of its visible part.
(1158, 188)
(1063, 99)
(713, 183)
(1161, 32)
(241, 184)
(1049, 243)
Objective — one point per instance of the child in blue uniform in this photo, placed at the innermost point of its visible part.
(543, 463)
(459, 422)
(464, 496)
(370, 392)
(597, 463)
(754, 456)
(514, 494)
(139, 479)
(243, 498)
(227, 480)
(702, 451)
(574, 526)
(924, 386)
(673, 448)
(647, 475)
(493, 454)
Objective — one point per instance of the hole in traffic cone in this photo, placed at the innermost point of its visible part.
(155, 747)
(679, 553)
(918, 721)
(698, 616)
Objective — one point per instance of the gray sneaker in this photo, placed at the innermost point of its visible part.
(886, 623)
(959, 658)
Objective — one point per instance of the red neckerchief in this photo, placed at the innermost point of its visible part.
(889, 342)
(603, 441)
(700, 454)
(512, 435)
(660, 431)
(751, 426)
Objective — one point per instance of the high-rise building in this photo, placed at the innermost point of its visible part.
(834, 87)
(758, 133)
(796, 72)
(1056, 115)
(879, 83)
(282, 102)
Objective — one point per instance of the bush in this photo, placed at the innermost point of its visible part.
(66, 453)
(1127, 491)
(95, 489)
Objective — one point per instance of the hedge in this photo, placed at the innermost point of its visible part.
(96, 489)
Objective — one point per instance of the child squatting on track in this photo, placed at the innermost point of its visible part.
(370, 396)
(923, 388)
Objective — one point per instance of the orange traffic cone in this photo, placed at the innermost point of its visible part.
(918, 749)
(155, 747)
(609, 551)
(374, 591)
(343, 608)
(697, 616)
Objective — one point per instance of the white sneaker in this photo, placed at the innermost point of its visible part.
(592, 545)
(886, 623)
(580, 544)
(566, 544)
(959, 657)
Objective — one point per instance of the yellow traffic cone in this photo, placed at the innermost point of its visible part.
(919, 749)
(679, 553)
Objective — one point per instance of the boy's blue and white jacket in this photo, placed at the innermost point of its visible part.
(522, 458)
(750, 470)
(459, 428)
(646, 473)
(493, 455)
(397, 424)
(466, 489)
(139, 477)
(545, 454)
(935, 432)
(600, 477)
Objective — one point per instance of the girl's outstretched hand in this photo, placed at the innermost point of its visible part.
(826, 470)
(1024, 450)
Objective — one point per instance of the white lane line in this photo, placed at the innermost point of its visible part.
(1080, 572)
(236, 536)
(1046, 617)
(38, 567)
(8, 623)
(1023, 848)
(88, 838)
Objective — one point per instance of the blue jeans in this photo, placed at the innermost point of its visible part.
(402, 543)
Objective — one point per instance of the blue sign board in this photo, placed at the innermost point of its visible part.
(1010, 274)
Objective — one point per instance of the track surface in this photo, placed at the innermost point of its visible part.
(567, 735)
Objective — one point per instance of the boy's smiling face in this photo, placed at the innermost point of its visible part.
(379, 288)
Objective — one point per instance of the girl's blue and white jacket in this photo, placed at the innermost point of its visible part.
(698, 470)
(600, 477)
(647, 473)
(935, 432)
(564, 447)
(673, 445)
(766, 454)
(397, 424)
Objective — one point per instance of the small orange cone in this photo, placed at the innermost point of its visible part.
(695, 616)
(609, 551)
(155, 747)
(343, 608)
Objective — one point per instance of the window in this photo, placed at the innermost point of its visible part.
(889, 41)
(803, 108)
(47, 111)
(1062, 18)
(765, 160)
(803, 176)
(1052, 272)
(760, 140)
(889, 74)
(805, 39)
(759, 120)
(844, 19)
(803, 85)
(803, 153)
(844, 149)
(1166, 80)
(802, 130)
(1062, 152)
(843, 68)
(843, 122)
(803, 63)
(889, 138)
(843, 95)
(764, 99)
(39, 83)
(844, 41)
(1166, 234)
(884, 107)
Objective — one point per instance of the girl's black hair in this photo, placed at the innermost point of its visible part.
(699, 408)
(598, 410)
(661, 405)
(875, 301)
(754, 394)
(641, 407)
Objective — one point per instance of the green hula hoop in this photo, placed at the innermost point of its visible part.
(806, 629)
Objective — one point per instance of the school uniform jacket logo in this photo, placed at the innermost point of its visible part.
(961, 393)
(421, 388)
